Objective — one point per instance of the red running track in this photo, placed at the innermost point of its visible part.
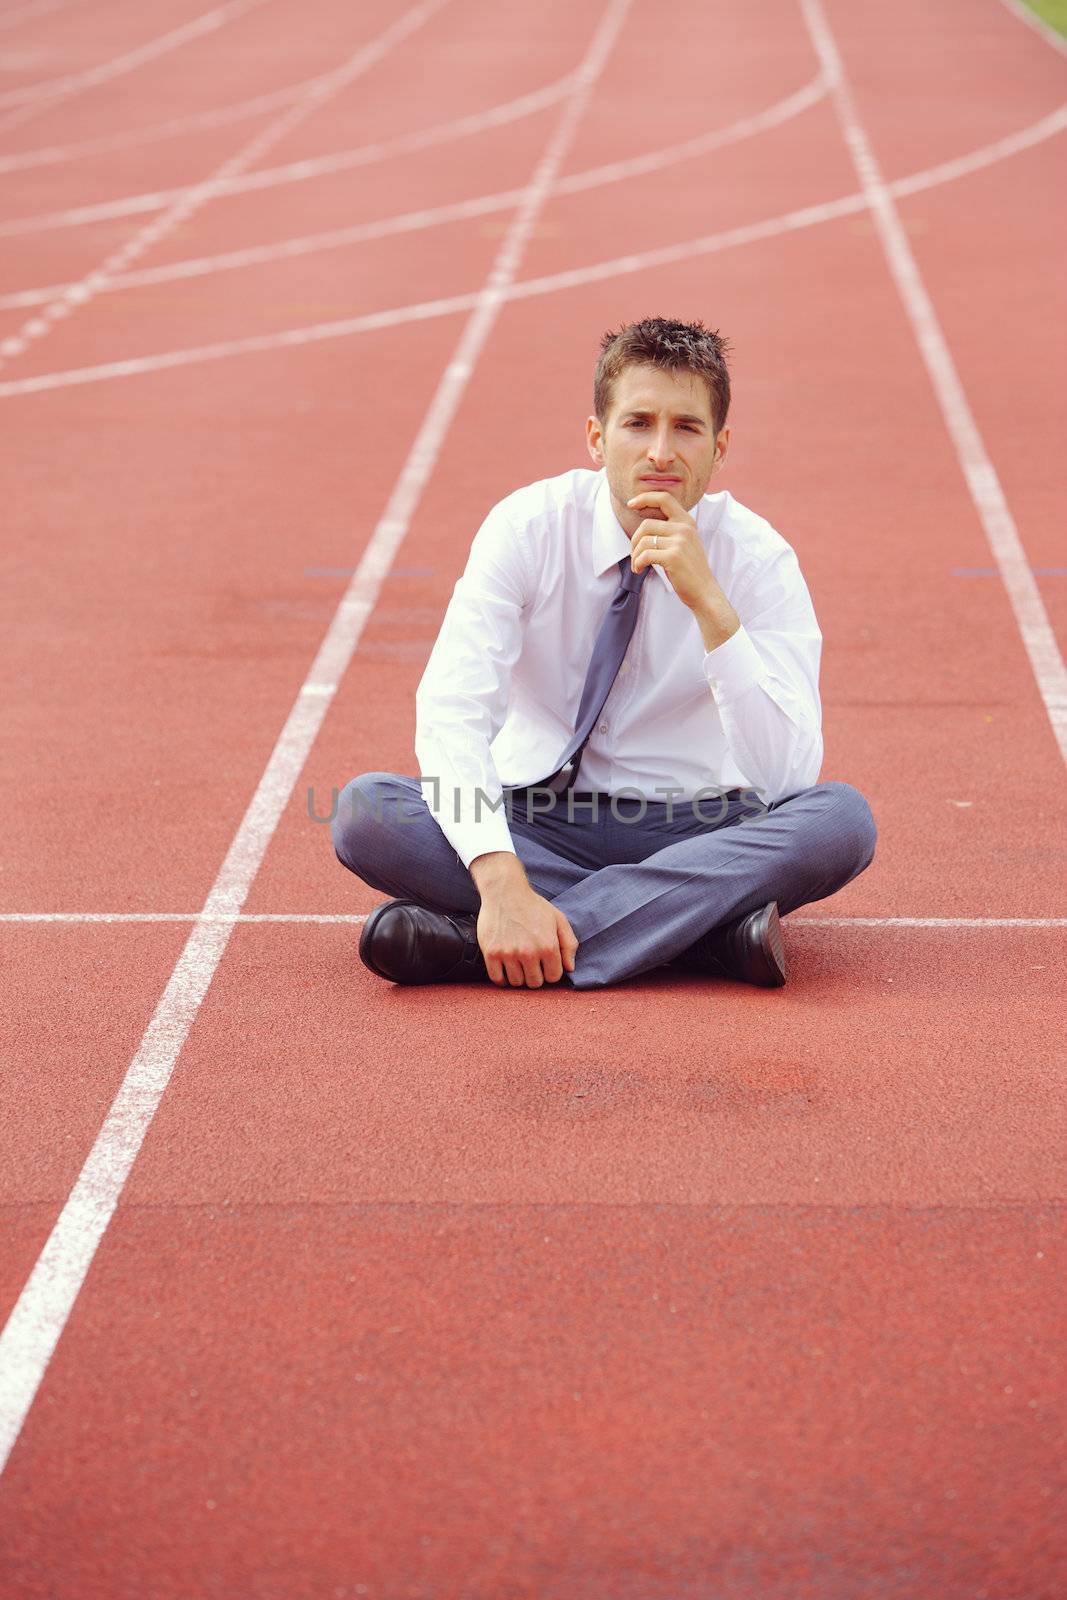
(693, 1291)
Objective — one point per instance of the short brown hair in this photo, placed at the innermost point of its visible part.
(673, 346)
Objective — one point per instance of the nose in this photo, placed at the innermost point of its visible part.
(660, 449)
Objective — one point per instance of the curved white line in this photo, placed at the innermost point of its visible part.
(257, 255)
(407, 222)
(53, 88)
(459, 210)
(744, 128)
(49, 155)
(751, 233)
(38, 99)
(268, 341)
(959, 166)
(1043, 29)
(298, 171)
(495, 116)
(368, 55)
(492, 117)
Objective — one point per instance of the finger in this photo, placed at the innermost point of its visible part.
(649, 555)
(660, 500)
(534, 976)
(552, 966)
(568, 942)
(516, 976)
(649, 532)
(492, 963)
(494, 969)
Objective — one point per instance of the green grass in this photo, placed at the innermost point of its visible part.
(1054, 12)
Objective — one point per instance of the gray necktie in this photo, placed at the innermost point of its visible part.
(615, 634)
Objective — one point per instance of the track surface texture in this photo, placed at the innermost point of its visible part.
(316, 1288)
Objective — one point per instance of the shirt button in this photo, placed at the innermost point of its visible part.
(603, 727)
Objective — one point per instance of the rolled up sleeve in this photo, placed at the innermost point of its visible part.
(461, 700)
(765, 682)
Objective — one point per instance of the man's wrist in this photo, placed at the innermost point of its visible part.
(718, 621)
(496, 869)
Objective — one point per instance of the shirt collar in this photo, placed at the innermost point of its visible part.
(610, 540)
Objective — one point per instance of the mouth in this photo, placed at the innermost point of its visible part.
(658, 477)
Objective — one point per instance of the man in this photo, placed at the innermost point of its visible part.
(624, 627)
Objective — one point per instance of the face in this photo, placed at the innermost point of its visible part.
(659, 434)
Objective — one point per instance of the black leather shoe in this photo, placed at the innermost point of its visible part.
(409, 943)
(750, 950)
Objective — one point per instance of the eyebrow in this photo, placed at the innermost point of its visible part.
(681, 416)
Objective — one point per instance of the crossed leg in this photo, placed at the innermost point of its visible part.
(635, 916)
(386, 834)
(632, 916)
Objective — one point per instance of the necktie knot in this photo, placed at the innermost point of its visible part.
(630, 579)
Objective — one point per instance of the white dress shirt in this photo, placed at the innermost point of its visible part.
(498, 701)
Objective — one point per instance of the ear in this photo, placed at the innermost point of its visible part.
(594, 438)
(722, 445)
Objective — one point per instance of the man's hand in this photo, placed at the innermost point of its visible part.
(524, 940)
(682, 556)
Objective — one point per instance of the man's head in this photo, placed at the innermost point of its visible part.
(661, 396)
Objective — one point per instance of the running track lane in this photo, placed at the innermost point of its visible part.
(935, 1324)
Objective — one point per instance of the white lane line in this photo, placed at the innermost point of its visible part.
(261, 255)
(1012, 144)
(364, 155)
(459, 210)
(596, 272)
(42, 1309)
(231, 347)
(975, 464)
(178, 916)
(925, 922)
(356, 916)
(53, 88)
(298, 171)
(80, 294)
(50, 155)
(1038, 24)
(747, 127)
(33, 99)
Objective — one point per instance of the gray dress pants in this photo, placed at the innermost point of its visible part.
(640, 880)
